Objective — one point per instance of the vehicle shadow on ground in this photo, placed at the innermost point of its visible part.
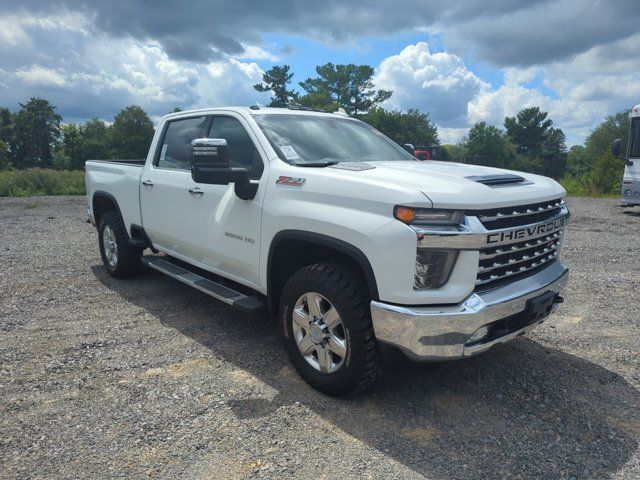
(520, 410)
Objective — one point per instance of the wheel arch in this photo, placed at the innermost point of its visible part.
(291, 250)
(102, 202)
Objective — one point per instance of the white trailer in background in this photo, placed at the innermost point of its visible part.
(631, 178)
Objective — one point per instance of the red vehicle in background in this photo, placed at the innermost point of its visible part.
(426, 153)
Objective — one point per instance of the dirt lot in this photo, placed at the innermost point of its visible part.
(148, 378)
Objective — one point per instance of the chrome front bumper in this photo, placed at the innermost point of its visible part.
(444, 333)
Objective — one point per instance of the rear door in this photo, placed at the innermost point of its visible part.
(224, 230)
(164, 190)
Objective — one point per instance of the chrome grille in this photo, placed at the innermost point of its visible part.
(519, 215)
(504, 263)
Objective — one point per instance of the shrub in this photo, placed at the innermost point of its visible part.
(39, 181)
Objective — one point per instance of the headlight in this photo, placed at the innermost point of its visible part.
(427, 216)
(433, 267)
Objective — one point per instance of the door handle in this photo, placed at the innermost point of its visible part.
(147, 183)
(196, 191)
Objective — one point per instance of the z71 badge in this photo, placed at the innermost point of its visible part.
(292, 181)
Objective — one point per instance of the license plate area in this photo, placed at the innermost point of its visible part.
(540, 307)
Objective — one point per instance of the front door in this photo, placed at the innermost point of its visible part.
(631, 180)
(224, 230)
(164, 189)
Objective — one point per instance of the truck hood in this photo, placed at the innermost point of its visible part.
(447, 184)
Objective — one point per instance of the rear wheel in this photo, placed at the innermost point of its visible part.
(326, 322)
(120, 259)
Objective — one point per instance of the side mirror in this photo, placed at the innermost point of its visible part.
(616, 148)
(409, 148)
(210, 165)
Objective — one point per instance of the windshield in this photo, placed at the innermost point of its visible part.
(634, 138)
(310, 139)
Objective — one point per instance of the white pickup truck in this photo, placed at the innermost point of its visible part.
(339, 232)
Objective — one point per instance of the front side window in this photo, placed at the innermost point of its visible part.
(311, 139)
(175, 151)
(634, 138)
(242, 152)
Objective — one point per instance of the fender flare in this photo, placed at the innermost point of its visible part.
(108, 196)
(326, 241)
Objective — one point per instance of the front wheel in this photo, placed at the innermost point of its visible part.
(328, 334)
(120, 259)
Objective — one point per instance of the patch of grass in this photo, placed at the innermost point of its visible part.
(41, 181)
(29, 206)
(585, 187)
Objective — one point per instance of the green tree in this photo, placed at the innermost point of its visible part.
(61, 160)
(533, 135)
(579, 163)
(453, 153)
(412, 127)
(554, 153)
(276, 80)
(36, 132)
(607, 173)
(73, 145)
(5, 160)
(601, 138)
(6, 122)
(96, 140)
(351, 86)
(320, 100)
(487, 145)
(131, 133)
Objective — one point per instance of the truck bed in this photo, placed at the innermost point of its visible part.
(132, 162)
(119, 179)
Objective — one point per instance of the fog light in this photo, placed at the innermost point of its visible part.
(433, 267)
(478, 335)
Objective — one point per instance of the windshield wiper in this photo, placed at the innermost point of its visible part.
(316, 164)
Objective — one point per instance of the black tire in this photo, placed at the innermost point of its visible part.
(347, 292)
(127, 262)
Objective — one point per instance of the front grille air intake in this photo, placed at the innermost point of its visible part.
(508, 262)
(504, 263)
(508, 217)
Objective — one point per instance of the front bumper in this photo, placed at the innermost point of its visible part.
(630, 192)
(447, 332)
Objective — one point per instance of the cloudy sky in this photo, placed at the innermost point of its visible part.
(462, 61)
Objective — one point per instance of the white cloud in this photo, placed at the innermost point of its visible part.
(88, 74)
(253, 52)
(438, 83)
(492, 106)
(39, 76)
(229, 82)
(585, 89)
(578, 93)
(451, 135)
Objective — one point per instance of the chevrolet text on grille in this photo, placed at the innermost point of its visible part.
(528, 232)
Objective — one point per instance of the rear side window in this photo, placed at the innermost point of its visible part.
(242, 152)
(175, 151)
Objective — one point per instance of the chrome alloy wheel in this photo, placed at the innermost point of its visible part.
(110, 246)
(319, 332)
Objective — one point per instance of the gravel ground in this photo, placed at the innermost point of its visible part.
(149, 378)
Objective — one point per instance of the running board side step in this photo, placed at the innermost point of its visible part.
(211, 288)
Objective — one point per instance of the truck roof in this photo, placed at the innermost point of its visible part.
(256, 110)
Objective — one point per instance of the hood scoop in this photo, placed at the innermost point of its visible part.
(353, 166)
(499, 180)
